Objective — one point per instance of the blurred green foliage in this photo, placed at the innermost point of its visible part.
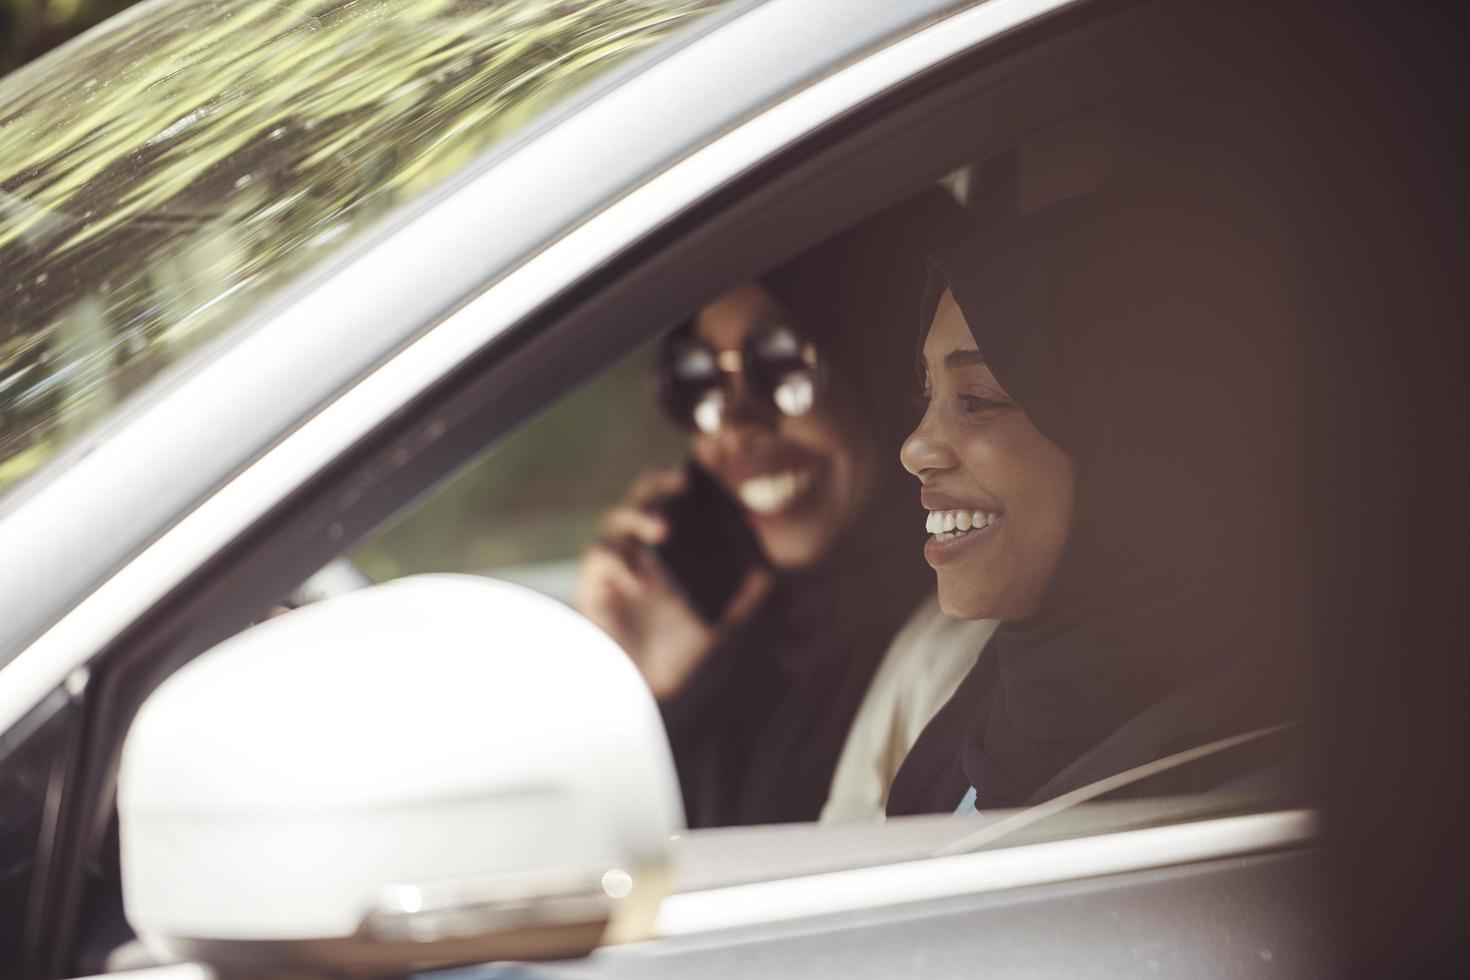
(164, 176)
(538, 495)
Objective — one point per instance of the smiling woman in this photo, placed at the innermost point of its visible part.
(802, 477)
(1126, 551)
(998, 492)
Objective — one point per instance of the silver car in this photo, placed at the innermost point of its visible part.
(271, 272)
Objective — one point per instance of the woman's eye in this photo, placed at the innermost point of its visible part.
(921, 402)
(974, 404)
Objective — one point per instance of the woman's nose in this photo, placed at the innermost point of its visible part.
(926, 449)
(744, 408)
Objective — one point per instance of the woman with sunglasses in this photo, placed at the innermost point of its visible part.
(793, 390)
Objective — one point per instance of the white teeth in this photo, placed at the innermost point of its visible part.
(771, 493)
(946, 524)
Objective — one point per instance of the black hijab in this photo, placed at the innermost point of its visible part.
(1109, 321)
(757, 731)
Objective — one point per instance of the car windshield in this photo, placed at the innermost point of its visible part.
(165, 173)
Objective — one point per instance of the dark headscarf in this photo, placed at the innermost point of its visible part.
(1109, 322)
(757, 731)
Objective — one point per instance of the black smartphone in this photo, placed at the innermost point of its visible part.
(710, 549)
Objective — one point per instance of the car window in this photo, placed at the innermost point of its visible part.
(749, 491)
(525, 511)
(163, 175)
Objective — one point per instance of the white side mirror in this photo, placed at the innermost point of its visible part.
(439, 770)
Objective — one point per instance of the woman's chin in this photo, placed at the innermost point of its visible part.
(959, 602)
(800, 533)
(791, 546)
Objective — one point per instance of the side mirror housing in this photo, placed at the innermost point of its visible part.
(439, 770)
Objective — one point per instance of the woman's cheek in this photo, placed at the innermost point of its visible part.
(988, 457)
(848, 467)
(705, 452)
(1007, 458)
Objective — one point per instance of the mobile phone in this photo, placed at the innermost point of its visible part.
(710, 549)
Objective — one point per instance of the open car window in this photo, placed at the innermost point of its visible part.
(725, 397)
(525, 511)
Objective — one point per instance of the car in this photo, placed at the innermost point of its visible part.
(272, 273)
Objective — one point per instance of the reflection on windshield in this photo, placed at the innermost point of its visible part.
(160, 177)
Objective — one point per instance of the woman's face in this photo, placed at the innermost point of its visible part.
(984, 466)
(800, 481)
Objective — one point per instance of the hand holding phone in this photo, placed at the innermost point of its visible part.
(710, 550)
(669, 574)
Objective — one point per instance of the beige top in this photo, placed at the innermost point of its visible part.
(924, 664)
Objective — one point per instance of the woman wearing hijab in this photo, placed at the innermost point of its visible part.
(1095, 457)
(793, 389)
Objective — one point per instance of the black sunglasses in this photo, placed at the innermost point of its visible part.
(776, 362)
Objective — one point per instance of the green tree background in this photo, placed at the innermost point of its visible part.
(536, 496)
(539, 495)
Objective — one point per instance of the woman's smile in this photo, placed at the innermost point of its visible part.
(774, 493)
(956, 525)
(955, 533)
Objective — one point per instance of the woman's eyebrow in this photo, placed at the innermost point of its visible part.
(962, 358)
